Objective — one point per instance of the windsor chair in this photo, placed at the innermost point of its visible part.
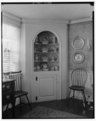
(19, 93)
(78, 80)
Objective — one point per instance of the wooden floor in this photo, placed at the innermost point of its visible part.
(64, 105)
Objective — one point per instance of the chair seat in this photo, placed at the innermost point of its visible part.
(20, 93)
(77, 88)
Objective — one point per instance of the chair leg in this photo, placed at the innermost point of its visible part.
(20, 104)
(7, 107)
(28, 101)
(84, 100)
(73, 95)
(13, 108)
(6, 110)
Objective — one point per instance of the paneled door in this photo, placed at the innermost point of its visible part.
(46, 65)
(46, 87)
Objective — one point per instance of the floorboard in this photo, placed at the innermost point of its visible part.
(64, 105)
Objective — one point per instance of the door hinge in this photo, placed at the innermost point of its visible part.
(36, 98)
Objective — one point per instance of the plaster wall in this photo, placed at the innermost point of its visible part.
(85, 31)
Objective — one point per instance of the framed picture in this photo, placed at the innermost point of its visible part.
(78, 43)
(79, 57)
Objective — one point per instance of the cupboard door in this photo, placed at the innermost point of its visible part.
(46, 66)
(46, 87)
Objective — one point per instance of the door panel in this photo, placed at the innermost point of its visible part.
(47, 88)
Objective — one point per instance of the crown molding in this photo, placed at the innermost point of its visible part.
(80, 20)
(44, 21)
(11, 16)
(54, 21)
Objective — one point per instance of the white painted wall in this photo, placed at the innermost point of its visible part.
(29, 31)
(83, 29)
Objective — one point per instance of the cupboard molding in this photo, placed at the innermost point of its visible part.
(44, 21)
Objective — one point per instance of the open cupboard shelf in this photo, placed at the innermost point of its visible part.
(46, 52)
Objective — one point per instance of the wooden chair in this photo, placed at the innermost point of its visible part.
(78, 80)
(19, 93)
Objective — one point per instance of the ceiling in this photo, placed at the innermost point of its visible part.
(49, 11)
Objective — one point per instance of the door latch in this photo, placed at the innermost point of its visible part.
(36, 98)
(36, 78)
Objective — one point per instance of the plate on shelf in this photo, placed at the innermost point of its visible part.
(79, 57)
(78, 43)
(44, 50)
(44, 39)
(44, 59)
(44, 67)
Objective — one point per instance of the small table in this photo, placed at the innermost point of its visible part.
(8, 87)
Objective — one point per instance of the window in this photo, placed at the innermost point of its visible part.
(11, 39)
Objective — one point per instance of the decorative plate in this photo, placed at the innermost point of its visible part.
(45, 50)
(78, 43)
(78, 57)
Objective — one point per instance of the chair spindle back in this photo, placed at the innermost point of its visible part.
(79, 77)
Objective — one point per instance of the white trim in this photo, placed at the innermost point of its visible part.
(54, 21)
(11, 16)
(80, 20)
(44, 21)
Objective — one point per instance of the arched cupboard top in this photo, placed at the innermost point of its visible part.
(46, 52)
